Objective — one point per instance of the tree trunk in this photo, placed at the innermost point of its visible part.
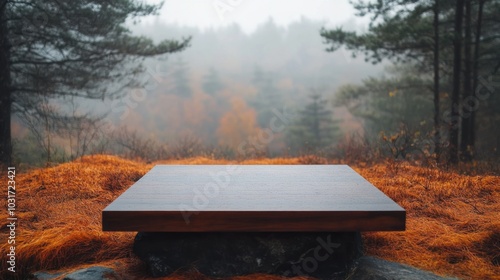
(437, 136)
(469, 104)
(5, 89)
(455, 96)
(475, 70)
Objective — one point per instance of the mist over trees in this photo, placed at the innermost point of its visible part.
(454, 41)
(61, 49)
(264, 71)
(237, 94)
(314, 129)
(226, 87)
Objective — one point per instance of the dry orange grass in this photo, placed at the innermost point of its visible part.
(453, 222)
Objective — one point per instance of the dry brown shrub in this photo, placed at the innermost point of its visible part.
(312, 159)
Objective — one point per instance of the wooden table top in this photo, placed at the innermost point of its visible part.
(202, 198)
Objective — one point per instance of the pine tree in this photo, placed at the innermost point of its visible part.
(268, 96)
(211, 82)
(56, 48)
(431, 33)
(180, 77)
(314, 129)
(383, 103)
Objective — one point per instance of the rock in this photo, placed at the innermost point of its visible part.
(364, 268)
(372, 268)
(94, 273)
(42, 275)
(322, 255)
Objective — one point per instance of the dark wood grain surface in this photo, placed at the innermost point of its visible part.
(198, 198)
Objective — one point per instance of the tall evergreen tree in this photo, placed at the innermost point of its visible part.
(465, 145)
(268, 96)
(475, 69)
(408, 31)
(382, 104)
(314, 129)
(57, 48)
(5, 88)
(431, 33)
(211, 82)
(180, 77)
(436, 86)
(455, 95)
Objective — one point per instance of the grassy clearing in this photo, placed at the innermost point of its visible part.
(453, 220)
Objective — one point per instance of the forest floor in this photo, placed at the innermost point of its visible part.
(453, 219)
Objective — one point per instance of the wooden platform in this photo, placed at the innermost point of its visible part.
(252, 198)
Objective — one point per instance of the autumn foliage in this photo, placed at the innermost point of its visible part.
(453, 220)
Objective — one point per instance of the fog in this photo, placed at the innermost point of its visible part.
(251, 74)
(230, 83)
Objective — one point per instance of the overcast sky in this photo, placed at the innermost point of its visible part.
(250, 13)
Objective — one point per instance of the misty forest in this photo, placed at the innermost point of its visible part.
(417, 83)
(392, 113)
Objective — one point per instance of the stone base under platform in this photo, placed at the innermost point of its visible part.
(324, 255)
